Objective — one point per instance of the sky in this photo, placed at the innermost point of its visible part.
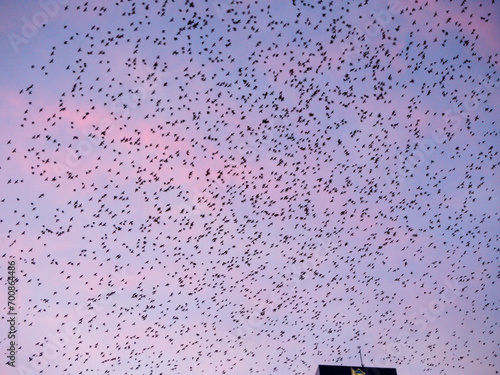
(250, 187)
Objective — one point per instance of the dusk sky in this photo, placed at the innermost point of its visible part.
(250, 187)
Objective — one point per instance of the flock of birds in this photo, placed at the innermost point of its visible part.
(229, 187)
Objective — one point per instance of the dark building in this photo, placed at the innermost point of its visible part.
(354, 370)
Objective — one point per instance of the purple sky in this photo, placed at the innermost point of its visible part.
(250, 187)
